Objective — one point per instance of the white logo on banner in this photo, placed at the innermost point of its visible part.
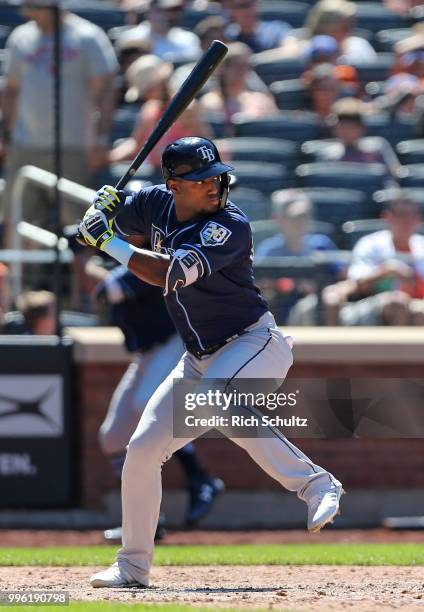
(17, 464)
(207, 153)
(31, 406)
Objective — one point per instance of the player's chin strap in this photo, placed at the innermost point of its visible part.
(225, 189)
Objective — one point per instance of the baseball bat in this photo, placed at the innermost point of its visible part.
(201, 72)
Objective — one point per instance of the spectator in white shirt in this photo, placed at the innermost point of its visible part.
(387, 271)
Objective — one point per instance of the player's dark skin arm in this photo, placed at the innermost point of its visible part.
(150, 267)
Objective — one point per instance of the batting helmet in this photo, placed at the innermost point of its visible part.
(195, 159)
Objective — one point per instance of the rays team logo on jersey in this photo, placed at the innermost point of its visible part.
(214, 234)
(157, 239)
(158, 236)
(206, 153)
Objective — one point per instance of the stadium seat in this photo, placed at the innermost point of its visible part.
(218, 123)
(293, 13)
(368, 178)
(258, 149)
(385, 195)
(331, 149)
(291, 125)
(290, 94)
(271, 70)
(414, 176)
(261, 230)
(385, 40)
(267, 177)
(2, 61)
(191, 16)
(124, 120)
(104, 14)
(339, 205)
(255, 204)
(4, 33)
(411, 151)
(374, 16)
(354, 230)
(318, 150)
(392, 129)
(10, 14)
(377, 70)
(146, 173)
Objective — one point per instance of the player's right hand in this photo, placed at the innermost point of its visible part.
(109, 201)
(95, 228)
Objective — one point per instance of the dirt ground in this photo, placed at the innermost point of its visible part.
(307, 588)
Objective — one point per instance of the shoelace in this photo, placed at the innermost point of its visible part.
(318, 497)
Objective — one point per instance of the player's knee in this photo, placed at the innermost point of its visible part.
(146, 449)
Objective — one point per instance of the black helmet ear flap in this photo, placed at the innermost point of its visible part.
(225, 189)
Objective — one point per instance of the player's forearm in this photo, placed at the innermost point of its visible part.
(150, 267)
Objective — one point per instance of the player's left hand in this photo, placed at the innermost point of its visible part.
(95, 229)
(109, 200)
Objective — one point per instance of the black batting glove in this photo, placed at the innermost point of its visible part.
(109, 201)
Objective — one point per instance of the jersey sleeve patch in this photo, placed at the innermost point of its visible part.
(185, 268)
(214, 234)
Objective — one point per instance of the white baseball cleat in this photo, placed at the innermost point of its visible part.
(323, 507)
(114, 577)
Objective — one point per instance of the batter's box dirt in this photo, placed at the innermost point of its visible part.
(306, 588)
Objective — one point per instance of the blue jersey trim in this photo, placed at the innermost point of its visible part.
(188, 321)
(183, 229)
(119, 229)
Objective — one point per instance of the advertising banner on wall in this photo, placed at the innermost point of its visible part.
(37, 466)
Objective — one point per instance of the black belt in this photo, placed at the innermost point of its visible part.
(215, 347)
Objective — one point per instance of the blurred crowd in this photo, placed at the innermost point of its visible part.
(318, 105)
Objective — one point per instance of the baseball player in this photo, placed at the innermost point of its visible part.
(202, 258)
(139, 310)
